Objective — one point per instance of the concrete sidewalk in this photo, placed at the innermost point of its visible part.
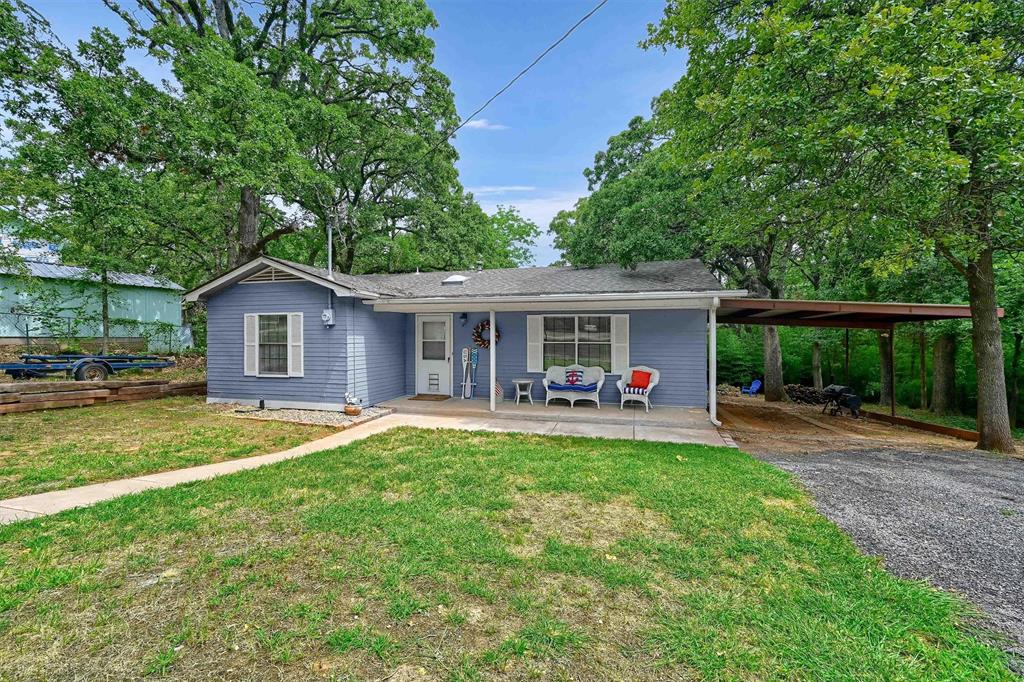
(44, 504)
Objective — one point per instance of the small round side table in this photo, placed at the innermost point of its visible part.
(524, 387)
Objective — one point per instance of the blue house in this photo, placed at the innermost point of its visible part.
(291, 335)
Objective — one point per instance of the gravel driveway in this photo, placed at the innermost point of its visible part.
(953, 518)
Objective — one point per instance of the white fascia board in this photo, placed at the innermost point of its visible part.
(252, 266)
(647, 300)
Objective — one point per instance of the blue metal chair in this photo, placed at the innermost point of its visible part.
(752, 389)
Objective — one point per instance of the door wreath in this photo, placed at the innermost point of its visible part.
(478, 334)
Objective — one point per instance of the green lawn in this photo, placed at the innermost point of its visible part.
(463, 556)
(55, 449)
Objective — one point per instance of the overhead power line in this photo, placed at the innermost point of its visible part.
(512, 82)
(532, 64)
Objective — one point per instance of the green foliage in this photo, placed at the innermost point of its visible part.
(843, 150)
(282, 121)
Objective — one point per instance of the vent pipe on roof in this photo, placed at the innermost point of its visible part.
(330, 251)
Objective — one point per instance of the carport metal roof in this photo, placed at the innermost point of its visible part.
(842, 314)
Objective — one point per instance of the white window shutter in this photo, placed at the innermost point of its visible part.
(251, 333)
(620, 343)
(534, 343)
(295, 344)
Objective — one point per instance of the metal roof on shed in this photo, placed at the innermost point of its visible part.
(71, 272)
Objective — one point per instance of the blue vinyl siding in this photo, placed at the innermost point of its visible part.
(373, 354)
(324, 366)
(672, 341)
(376, 353)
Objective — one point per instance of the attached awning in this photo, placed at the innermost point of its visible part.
(842, 314)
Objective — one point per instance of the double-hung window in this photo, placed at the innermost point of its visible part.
(588, 340)
(273, 345)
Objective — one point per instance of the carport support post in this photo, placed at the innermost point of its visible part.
(892, 369)
(493, 358)
(846, 366)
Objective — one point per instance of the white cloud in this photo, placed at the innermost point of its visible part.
(500, 189)
(484, 124)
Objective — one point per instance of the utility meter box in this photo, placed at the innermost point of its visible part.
(327, 316)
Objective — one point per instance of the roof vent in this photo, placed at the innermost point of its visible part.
(452, 280)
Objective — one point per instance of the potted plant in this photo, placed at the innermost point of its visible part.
(352, 406)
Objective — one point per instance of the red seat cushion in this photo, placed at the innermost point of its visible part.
(640, 379)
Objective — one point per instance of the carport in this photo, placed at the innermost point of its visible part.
(838, 314)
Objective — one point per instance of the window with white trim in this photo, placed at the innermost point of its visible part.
(273, 345)
(588, 340)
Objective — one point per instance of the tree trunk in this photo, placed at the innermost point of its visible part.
(248, 227)
(944, 374)
(774, 387)
(986, 333)
(1018, 337)
(816, 365)
(885, 360)
(922, 348)
(105, 312)
(349, 254)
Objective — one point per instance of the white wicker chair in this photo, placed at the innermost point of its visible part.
(556, 375)
(644, 397)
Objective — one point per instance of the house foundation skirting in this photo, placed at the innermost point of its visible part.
(280, 404)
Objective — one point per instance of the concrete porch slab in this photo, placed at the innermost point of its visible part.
(671, 424)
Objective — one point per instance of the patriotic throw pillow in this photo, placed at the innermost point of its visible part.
(573, 376)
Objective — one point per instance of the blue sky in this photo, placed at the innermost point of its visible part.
(529, 148)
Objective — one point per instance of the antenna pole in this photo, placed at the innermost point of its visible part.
(330, 250)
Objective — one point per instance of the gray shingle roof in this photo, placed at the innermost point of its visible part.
(128, 279)
(676, 275)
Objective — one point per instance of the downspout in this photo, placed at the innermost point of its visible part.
(713, 361)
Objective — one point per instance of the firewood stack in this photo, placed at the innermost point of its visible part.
(805, 395)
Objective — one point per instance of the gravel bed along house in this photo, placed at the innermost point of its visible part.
(318, 417)
(953, 518)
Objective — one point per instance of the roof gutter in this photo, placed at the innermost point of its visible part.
(650, 299)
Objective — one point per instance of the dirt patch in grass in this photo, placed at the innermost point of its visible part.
(536, 519)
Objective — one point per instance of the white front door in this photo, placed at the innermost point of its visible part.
(434, 354)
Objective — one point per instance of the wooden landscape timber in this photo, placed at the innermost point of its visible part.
(55, 386)
(955, 432)
(51, 395)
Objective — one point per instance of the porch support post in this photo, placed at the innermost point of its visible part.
(713, 362)
(493, 357)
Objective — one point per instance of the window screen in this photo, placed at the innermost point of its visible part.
(581, 340)
(273, 344)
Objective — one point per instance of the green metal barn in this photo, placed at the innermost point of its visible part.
(48, 302)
